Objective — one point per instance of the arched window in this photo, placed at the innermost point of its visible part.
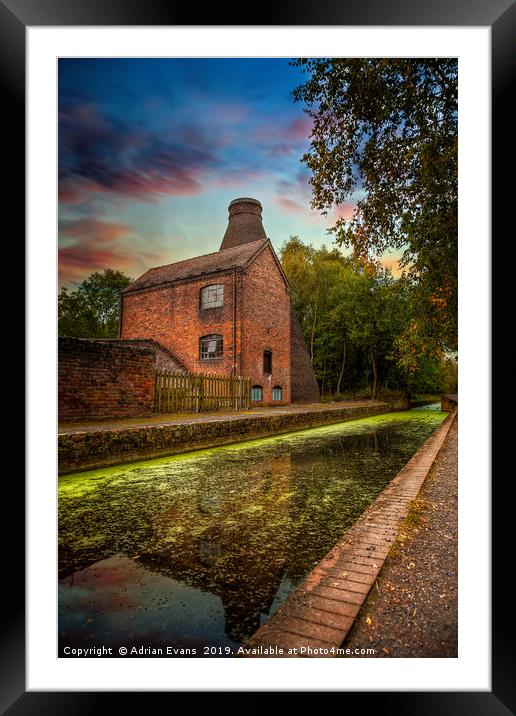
(256, 392)
(212, 296)
(276, 392)
(267, 362)
(211, 347)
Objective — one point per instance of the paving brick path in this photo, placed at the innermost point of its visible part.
(218, 416)
(412, 611)
(322, 610)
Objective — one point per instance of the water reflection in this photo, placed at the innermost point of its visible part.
(203, 548)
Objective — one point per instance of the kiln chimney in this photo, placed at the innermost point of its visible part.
(244, 224)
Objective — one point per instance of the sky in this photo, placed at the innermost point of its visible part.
(151, 152)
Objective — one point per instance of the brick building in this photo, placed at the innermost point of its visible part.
(227, 312)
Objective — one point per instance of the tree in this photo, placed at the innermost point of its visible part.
(377, 315)
(91, 311)
(385, 131)
(349, 310)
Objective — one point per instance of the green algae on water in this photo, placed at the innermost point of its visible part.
(241, 524)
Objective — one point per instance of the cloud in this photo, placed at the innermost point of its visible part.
(97, 245)
(230, 112)
(99, 231)
(392, 262)
(342, 211)
(290, 205)
(76, 262)
(298, 129)
(98, 154)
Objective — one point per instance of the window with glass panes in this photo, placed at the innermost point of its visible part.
(212, 296)
(256, 392)
(211, 347)
(276, 392)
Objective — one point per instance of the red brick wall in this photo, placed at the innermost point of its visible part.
(266, 325)
(164, 359)
(103, 380)
(171, 316)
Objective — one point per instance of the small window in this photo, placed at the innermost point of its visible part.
(256, 392)
(212, 296)
(276, 392)
(267, 362)
(211, 347)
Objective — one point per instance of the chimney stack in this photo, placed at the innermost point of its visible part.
(244, 224)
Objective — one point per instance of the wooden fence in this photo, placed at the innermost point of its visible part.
(196, 392)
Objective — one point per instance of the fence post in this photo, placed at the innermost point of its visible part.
(195, 392)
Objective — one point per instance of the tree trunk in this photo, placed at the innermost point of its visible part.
(343, 363)
(374, 366)
(312, 337)
(323, 377)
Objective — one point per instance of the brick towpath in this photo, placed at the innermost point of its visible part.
(319, 615)
(413, 610)
(211, 417)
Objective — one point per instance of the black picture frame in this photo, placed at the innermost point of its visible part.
(15, 17)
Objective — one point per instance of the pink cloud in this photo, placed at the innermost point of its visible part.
(392, 262)
(98, 154)
(147, 187)
(299, 129)
(291, 206)
(230, 112)
(98, 245)
(77, 262)
(95, 229)
(300, 209)
(342, 211)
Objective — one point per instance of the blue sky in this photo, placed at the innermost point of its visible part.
(151, 152)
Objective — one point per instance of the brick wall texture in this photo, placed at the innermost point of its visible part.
(103, 380)
(172, 317)
(265, 316)
(164, 359)
(255, 317)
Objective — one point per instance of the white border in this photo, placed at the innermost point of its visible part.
(471, 671)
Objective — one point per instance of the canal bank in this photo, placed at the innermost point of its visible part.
(87, 446)
(337, 596)
(200, 549)
(412, 613)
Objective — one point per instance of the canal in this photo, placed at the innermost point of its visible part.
(201, 549)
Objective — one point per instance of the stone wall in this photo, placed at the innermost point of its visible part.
(98, 379)
(449, 402)
(98, 448)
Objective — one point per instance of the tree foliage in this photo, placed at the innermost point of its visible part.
(354, 316)
(91, 310)
(385, 133)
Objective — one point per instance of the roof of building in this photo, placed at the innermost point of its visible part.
(224, 260)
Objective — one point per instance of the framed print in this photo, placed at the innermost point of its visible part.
(117, 158)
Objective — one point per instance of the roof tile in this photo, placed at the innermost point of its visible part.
(237, 256)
